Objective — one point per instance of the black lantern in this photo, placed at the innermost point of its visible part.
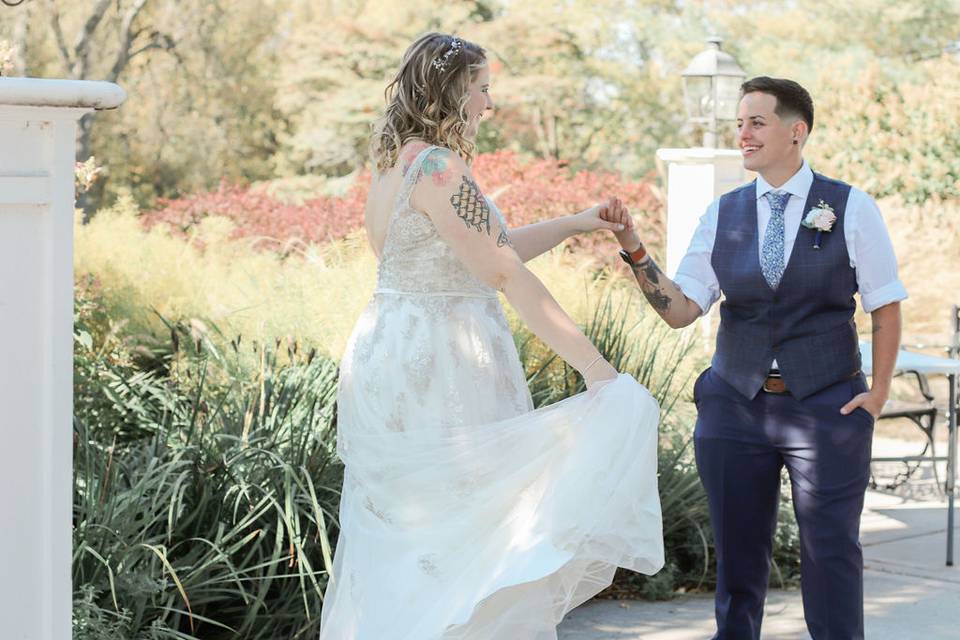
(711, 89)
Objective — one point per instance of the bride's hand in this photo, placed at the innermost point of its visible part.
(618, 214)
(606, 215)
(601, 372)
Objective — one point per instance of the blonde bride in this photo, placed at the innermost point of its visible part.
(465, 513)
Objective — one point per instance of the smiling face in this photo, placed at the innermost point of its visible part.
(478, 102)
(767, 139)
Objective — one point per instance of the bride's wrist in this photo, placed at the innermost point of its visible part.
(575, 225)
(600, 372)
(591, 365)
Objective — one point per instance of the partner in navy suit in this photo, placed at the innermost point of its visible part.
(787, 252)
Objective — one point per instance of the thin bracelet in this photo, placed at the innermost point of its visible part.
(595, 361)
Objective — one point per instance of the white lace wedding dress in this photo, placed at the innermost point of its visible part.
(465, 514)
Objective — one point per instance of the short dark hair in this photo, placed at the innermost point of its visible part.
(792, 99)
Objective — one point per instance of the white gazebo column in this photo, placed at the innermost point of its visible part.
(38, 126)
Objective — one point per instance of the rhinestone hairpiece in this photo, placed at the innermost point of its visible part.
(440, 63)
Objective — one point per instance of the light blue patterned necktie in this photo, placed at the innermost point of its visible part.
(771, 260)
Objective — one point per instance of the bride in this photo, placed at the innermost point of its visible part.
(465, 514)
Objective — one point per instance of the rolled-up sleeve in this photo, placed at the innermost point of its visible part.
(695, 275)
(871, 253)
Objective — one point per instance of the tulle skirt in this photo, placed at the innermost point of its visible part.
(464, 513)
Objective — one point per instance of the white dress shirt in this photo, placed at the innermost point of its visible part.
(868, 245)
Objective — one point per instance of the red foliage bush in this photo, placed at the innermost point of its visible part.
(256, 214)
(530, 191)
(525, 190)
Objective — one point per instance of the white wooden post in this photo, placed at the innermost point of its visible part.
(694, 179)
(38, 127)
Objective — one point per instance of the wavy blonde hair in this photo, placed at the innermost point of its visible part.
(427, 103)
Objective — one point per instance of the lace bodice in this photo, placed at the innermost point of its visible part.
(415, 258)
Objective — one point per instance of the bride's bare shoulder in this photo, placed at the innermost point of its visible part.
(437, 163)
(443, 174)
(408, 153)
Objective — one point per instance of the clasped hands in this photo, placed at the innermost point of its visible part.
(611, 215)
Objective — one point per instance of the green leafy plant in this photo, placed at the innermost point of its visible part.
(204, 503)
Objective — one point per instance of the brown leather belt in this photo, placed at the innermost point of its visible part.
(774, 384)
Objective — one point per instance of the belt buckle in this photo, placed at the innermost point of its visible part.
(775, 376)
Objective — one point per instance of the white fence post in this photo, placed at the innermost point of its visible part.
(695, 178)
(38, 124)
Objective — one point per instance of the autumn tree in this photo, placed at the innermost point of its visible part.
(99, 41)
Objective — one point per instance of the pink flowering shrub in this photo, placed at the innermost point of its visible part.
(525, 190)
(534, 190)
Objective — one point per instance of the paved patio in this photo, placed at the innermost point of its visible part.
(909, 592)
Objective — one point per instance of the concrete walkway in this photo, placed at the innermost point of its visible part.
(909, 592)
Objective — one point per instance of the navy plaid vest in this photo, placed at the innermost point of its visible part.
(807, 323)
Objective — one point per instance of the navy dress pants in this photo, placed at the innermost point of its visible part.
(741, 447)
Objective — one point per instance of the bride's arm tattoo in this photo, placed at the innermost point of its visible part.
(471, 207)
(648, 277)
(468, 202)
(436, 167)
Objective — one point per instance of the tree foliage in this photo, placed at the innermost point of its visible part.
(249, 90)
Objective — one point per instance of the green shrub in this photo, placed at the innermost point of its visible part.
(204, 504)
(893, 136)
(205, 496)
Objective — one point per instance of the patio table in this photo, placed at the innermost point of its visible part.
(909, 361)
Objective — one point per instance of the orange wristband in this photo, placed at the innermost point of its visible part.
(635, 257)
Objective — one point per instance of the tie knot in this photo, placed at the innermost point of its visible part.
(777, 200)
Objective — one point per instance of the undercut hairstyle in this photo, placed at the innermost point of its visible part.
(792, 99)
(427, 98)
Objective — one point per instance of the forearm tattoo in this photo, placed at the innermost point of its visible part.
(503, 238)
(648, 277)
(471, 207)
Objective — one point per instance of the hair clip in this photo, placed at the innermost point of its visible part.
(440, 64)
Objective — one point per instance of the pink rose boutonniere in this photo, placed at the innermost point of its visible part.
(821, 218)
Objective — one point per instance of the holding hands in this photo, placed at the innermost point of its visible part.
(607, 215)
(616, 214)
(532, 240)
